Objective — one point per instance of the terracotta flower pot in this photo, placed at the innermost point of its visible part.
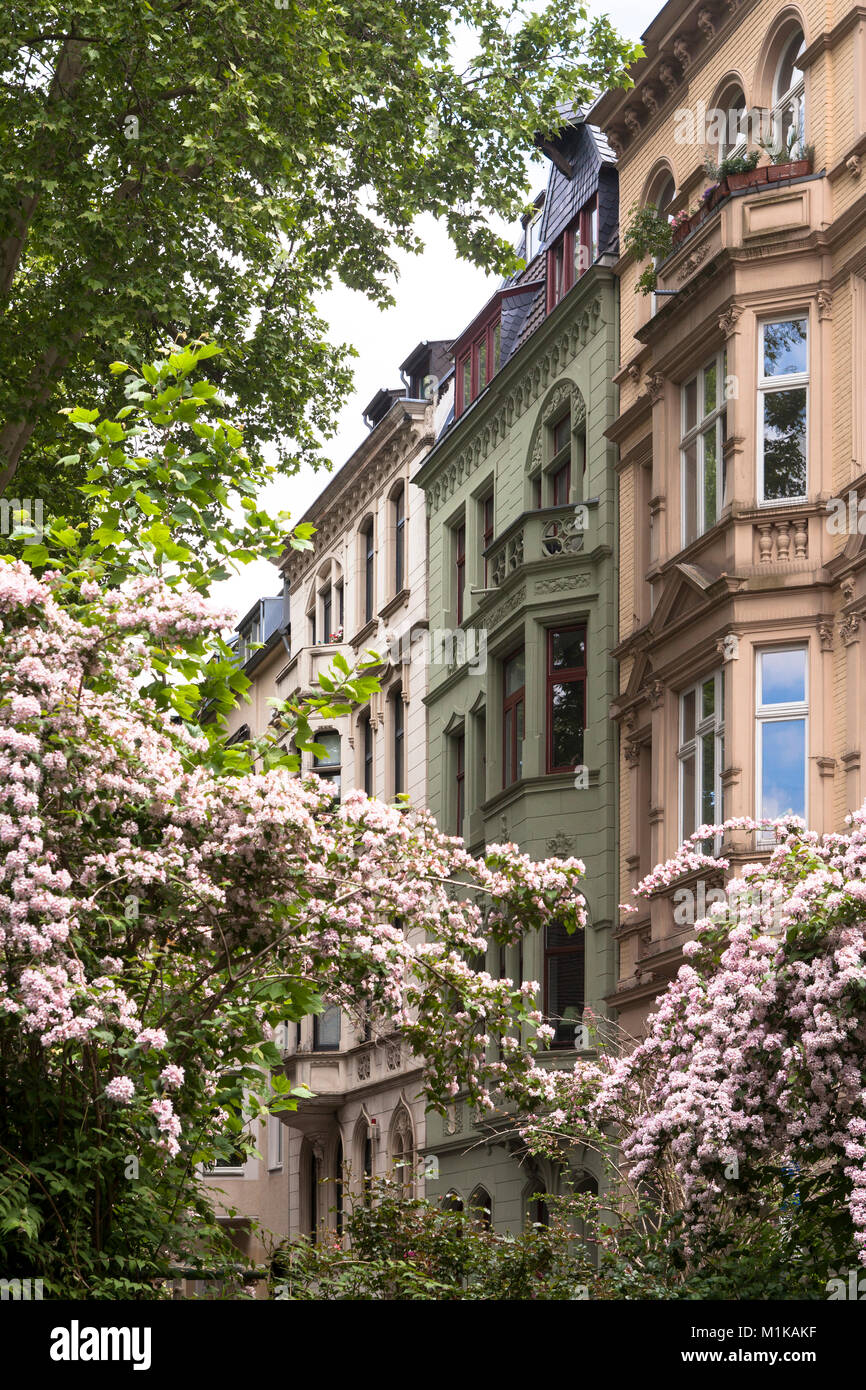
(749, 179)
(794, 170)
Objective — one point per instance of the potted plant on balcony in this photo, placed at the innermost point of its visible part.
(336, 636)
(782, 164)
(737, 171)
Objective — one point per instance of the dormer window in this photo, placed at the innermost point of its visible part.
(478, 363)
(572, 254)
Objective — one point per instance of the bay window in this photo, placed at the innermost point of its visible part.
(783, 382)
(566, 697)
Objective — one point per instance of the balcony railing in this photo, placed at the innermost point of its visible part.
(549, 534)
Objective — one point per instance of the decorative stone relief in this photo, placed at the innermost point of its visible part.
(632, 120)
(563, 584)
(706, 23)
(825, 634)
(650, 100)
(507, 607)
(682, 54)
(668, 77)
(363, 1067)
(560, 844)
(691, 263)
(454, 1119)
(563, 537)
(654, 387)
(825, 304)
(728, 320)
(394, 1056)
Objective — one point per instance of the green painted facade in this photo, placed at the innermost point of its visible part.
(546, 568)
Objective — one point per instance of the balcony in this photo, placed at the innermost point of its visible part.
(779, 209)
(549, 535)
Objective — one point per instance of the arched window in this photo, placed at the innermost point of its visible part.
(728, 132)
(363, 1155)
(481, 1205)
(368, 563)
(789, 102)
(452, 1201)
(398, 504)
(310, 1192)
(402, 1145)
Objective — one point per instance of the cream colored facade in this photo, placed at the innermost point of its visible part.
(368, 1114)
(731, 570)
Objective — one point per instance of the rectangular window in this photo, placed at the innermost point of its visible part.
(566, 697)
(783, 384)
(573, 254)
(275, 1142)
(561, 482)
(328, 764)
(486, 529)
(513, 708)
(704, 414)
(326, 614)
(782, 709)
(369, 572)
(368, 755)
(459, 782)
(459, 569)
(564, 983)
(399, 540)
(399, 743)
(478, 364)
(701, 755)
(340, 606)
(326, 1029)
(313, 628)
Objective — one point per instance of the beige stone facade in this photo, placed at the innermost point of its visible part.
(741, 418)
(362, 586)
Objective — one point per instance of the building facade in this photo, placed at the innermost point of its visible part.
(741, 419)
(521, 496)
(362, 586)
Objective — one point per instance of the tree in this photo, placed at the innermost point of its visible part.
(209, 166)
(162, 904)
(743, 1109)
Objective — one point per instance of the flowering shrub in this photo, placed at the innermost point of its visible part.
(744, 1107)
(403, 1248)
(162, 906)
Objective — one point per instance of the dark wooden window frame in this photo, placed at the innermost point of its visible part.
(561, 675)
(564, 248)
(510, 703)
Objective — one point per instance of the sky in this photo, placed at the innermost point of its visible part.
(436, 295)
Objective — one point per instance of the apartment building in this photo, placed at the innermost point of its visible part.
(362, 586)
(521, 498)
(742, 441)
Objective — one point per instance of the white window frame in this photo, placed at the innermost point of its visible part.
(775, 714)
(715, 724)
(772, 385)
(276, 1143)
(717, 416)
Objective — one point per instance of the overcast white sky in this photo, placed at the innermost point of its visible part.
(436, 296)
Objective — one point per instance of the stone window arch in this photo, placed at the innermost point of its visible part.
(481, 1205)
(727, 129)
(556, 461)
(780, 85)
(401, 1148)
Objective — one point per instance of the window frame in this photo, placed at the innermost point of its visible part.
(488, 338)
(511, 703)
(694, 435)
(367, 753)
(487, 510)
(398, 745)
(564, 675)
(582, 231)
(795, 96)
(693, 746)
(459, 781)
(773, 385)
(399, 504)
(550, 953)
(318, 1044)
(329, 772)
(776, 714)
(459, 570)
(368, 556)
